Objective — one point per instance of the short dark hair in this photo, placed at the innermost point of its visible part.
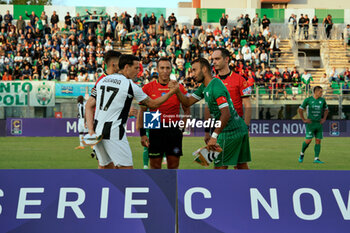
(163, 59)
(127, 59)
(203, 63)
(316, 88)
(111, 54)
(224, 52)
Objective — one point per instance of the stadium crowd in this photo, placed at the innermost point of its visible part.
(40, 50)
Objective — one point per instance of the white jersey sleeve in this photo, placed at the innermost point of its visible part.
(138, 92)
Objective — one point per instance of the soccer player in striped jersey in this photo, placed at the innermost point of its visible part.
(112, 98)
(232, 136)
(82, 129)
(317, 112)
(111, 59)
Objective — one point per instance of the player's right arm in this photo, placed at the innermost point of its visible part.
(89, 114)
(187, 101)
(301, 112)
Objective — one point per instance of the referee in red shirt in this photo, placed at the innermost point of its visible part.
(236, 85)
(162, 141)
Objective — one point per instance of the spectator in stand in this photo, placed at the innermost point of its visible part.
(314, 22)
(36, 73)
(31, 17)
(152, 24)
(27, 73)
(292, 22)
(324, 83)
(197, 22)
(247, 23)
(334, 76)
(274, 46)
(72, 74)
(346, 75)
(301, 22)
(346, 90)
(44, 18)
(265, 22)
(346, 35)
(328, 24)
(264, 59)
(280, 88)
(20, 24)
(17, 73)
(256, 24)
(306, 79)
(8, 18)
(161, 25)
(172, 19)
(54, 74)
(223, 21)
(268, 78)
(136, 23)
(6, 76)
(306, 27)
(68, 20)
(295, 82)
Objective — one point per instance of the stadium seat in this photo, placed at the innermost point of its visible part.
(187, 65)
(252, 47)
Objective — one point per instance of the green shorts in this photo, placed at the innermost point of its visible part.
(314, 129)
(235, 150)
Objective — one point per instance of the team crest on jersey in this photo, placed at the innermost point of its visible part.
(151, 120)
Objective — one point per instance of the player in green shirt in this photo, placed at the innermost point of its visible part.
(317, 112)
(232, 136)
(306, 79)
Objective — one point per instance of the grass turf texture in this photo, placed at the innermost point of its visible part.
(267, 153)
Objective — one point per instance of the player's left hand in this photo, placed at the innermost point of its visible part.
(212, 144)
(145, 141)
(322, 121)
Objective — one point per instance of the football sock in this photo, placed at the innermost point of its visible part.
(81, 136)
(145, 156)
(317, 150)
(304, 147)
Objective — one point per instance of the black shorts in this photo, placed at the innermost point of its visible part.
(166, 141)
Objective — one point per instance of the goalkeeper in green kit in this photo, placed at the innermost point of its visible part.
(317, 111)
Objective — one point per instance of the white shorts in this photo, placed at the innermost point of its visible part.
(81, 126)
(114, 150)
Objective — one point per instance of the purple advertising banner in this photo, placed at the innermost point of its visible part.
(87, 201)
(263, 201)
(66, 127)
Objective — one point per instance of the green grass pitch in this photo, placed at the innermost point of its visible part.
(267, 153)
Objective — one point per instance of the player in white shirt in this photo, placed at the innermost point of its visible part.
(82, 129)
(112, 98)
